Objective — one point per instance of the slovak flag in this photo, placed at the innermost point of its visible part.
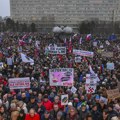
(80, 40)
(24, 36)
(88, 37)
(70, 41)
(65, 41)
(26, 59)
(21, 42)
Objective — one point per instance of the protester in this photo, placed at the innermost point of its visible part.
(94, 97)
(32, 115)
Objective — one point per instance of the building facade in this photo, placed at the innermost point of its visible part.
(64, 12)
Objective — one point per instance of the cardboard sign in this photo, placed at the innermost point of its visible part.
(64, 99)
(110, 66)
(107, 54)
(73, 89)
(57, 50)
(83, 53)
(78, 59)
(113, 94)
(19, 83)
(61, 76)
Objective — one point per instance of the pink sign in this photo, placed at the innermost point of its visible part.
(61, 77)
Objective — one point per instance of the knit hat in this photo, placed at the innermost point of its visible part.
(70, 104)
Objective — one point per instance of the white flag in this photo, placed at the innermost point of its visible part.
(26, 59)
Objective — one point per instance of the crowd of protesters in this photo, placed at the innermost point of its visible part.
(42, 101)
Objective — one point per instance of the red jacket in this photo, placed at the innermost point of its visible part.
(48, 105)
(36, 117)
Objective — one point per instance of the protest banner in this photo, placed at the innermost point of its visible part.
(107, 54)
(73, 89)
(83, 53)
(57, 50)
(78, 59)
(19, 83)
(113, 94)
(64, 99)
(110, 66)
(1, 65)
(61, 76)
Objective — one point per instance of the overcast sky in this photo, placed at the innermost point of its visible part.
(4, 8)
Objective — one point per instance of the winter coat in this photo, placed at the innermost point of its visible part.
(36, 117)
(48, 105)
(32, 105)
(41, 111)
(96, 115)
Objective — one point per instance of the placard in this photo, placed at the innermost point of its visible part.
(73, 89)
(110, 66)
(61, 76)
(91, 81)
(83, 53)
(78, 59)
(94, 44)
(113, 94)
(57, 50)
(64, 99)
(19, 83)
(107, 54)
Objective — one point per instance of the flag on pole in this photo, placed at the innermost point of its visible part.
(93, 73)
(91, 70)
(26, 59)
(80, 40)
(21, 42)
(65, 41)
(88, 37)
(112, 37)
(24, 36)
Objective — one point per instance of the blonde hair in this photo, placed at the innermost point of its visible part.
(14, 115)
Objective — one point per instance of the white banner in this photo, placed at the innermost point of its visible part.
(83, 53)
(57, 50)
(19, 83)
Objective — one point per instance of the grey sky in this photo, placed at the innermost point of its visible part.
(4, 8)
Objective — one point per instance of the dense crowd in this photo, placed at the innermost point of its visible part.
(42, 101)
